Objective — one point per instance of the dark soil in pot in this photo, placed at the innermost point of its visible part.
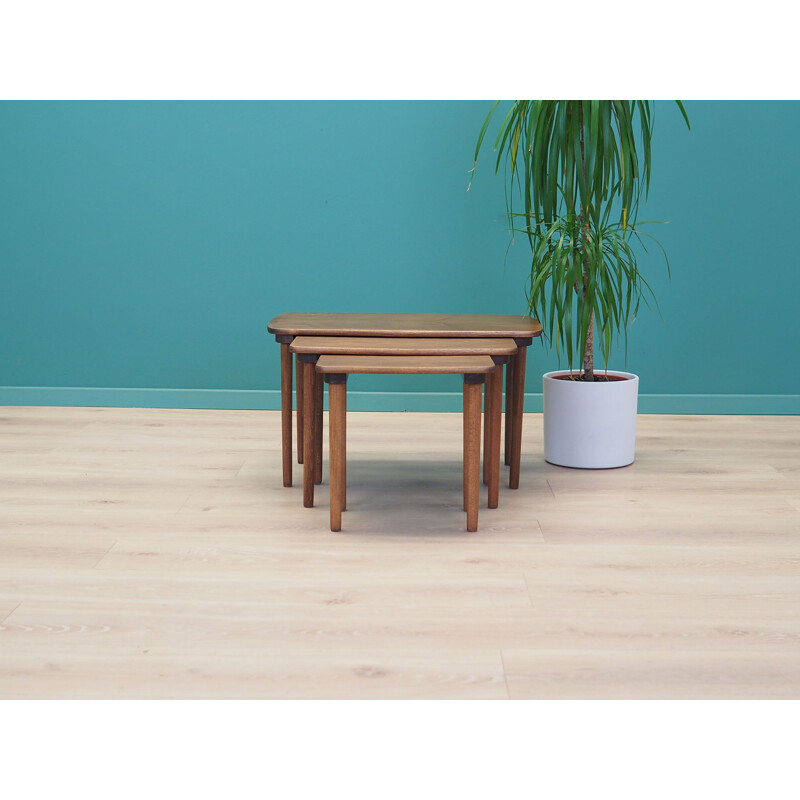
(598, 378)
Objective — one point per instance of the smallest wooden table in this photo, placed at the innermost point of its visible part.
(475, 369)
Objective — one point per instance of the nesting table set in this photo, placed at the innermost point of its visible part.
(331, 346)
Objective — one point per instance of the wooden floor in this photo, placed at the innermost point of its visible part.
(154, 553)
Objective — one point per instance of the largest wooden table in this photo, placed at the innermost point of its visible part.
(522, 329)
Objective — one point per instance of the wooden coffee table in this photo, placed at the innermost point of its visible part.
(523, 330)
(397, 355)
(475, 369)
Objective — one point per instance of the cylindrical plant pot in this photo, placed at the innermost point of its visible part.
(590, 425)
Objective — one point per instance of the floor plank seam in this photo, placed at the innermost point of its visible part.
(528, 589)
(2, 621)
(99, 561)
(505, 674)
(188, 498)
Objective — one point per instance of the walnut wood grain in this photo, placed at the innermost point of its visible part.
(487, 428)
(405, 365)
(309, 460)
(422, 325)
(472, 452)
(403, 346)
(286, 413)
(337, 449)
(494, 391)
(319, 396)
(518, 403)
(509, 415)
(299, 384)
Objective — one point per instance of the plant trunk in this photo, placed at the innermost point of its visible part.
(588, 350)
(588, 353)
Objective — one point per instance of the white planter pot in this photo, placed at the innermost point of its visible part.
(590, 425)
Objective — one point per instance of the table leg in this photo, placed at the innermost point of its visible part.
(299, 384)
(337, 447)
(518, 402)
(309, 379)
(286, 413)
(464, 454)
(492, 454)
(488, 396)
(319, 387)
(509, 409)
(472, 448)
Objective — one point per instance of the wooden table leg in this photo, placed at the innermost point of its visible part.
(518, 403)
(286, 413)
(299, 384)
(509, 409)
(492, 454)
(344, 462)
(472, 447)
(319, 387)
(464, 454)
(488, 396)
(337, 447)
(309, 379)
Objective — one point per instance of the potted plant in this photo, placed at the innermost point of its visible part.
(579, 169)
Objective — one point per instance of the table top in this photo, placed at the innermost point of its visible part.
(402, 346)
(464, 326)
(405, 365)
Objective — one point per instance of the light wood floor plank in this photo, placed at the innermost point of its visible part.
(155, 553)
(169, 673)
(230, 590)
(652, 675)
(339, 621)
(57, 551)
(134, 649)
(412, 555)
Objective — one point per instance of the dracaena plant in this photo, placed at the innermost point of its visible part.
(576, 171)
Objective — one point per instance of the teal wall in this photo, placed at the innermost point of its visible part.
(145, 245)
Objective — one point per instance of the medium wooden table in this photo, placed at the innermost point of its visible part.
(286, 327)
(397, 355)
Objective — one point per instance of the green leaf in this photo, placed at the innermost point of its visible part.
(575, 174)
(685, 115)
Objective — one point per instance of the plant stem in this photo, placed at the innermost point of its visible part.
(588, 350)
(588, 353)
